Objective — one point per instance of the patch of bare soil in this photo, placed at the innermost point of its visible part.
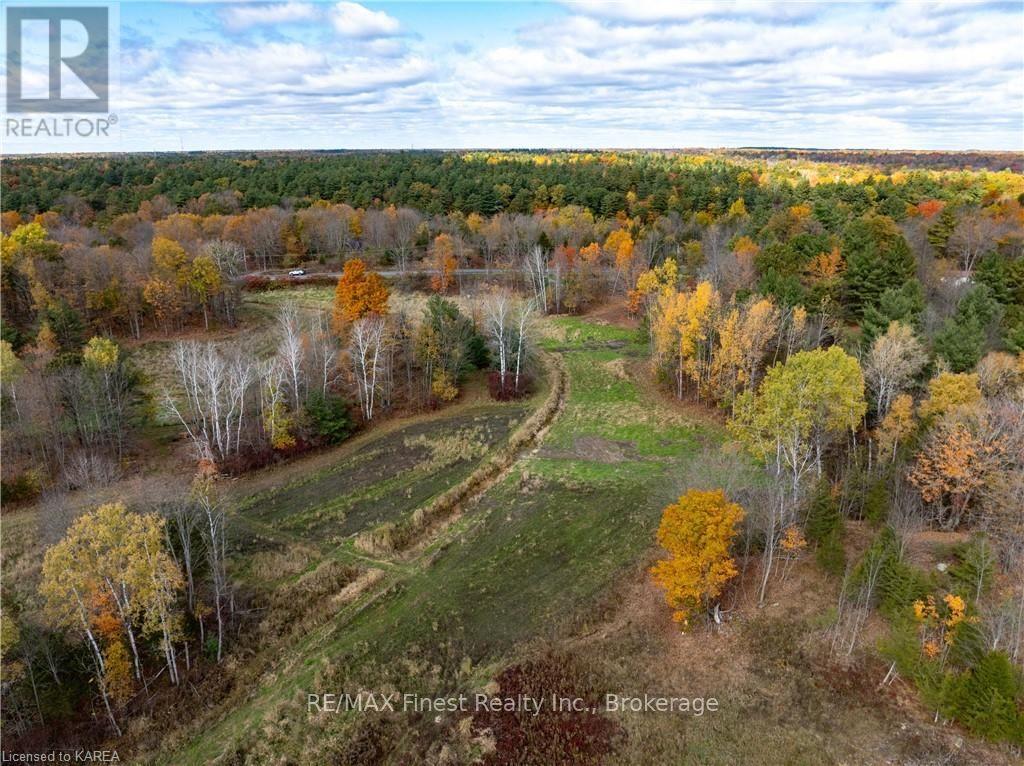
(594, 449)
(614, 311)
(599, 450)
(931, 547)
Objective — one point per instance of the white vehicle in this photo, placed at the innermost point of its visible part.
(297, 273)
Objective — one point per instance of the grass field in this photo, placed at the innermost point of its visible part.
(526, 561)
(386, 479)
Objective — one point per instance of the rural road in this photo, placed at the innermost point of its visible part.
(276, 274)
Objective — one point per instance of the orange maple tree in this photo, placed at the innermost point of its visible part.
(443, 253)
(359, 293)
(953, 467)
(697, 532)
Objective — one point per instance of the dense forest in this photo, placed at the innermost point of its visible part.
(860, 328)
(640, 183)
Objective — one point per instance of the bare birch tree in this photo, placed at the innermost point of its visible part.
(536, 267)
(291, 351)
(891, 365)
(366, 350)
(323, 352)
(216, 381)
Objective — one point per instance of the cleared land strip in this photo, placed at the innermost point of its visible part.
(525, 560)
(382, 575)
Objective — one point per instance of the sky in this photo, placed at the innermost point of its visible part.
(643, 73)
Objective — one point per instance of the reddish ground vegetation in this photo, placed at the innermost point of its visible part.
(508, 392)
(569, 738)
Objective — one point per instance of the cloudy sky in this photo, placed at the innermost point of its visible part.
(288, 75)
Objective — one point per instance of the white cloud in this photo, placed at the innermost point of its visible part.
(355, 20)
(239, 16)
(896, 75)
(656, 11)
(758, 73)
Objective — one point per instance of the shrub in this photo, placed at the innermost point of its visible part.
(22, 488)
(556, 738)
(329, 417)
(897, 584)
(255, 284)
(508, 392)
(985, 697)
(825, 529)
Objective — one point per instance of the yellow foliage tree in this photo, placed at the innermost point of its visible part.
(619, 245)
(100, 353)
(683, 331)
(170, 260)
(109, 578)
(697, 531)
(896, 426)
(117, 672)
(951, 394)
(744, 334)
(660, 280)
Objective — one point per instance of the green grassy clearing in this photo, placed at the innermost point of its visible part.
(530, 557)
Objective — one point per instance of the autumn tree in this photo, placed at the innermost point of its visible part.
(951, 394)
(442, 255)
(683, 331)
(1001, 374)
(896, 426)
(891, 365)
(745, 334)
(802, 407)
(204, 280)
(697, 532)
(164, 290)
(823, 277)
(358, 294)
(620, 247)
(952, 468)
(111, 574)
(655, 281)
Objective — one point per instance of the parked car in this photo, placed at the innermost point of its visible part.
(297, 273)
